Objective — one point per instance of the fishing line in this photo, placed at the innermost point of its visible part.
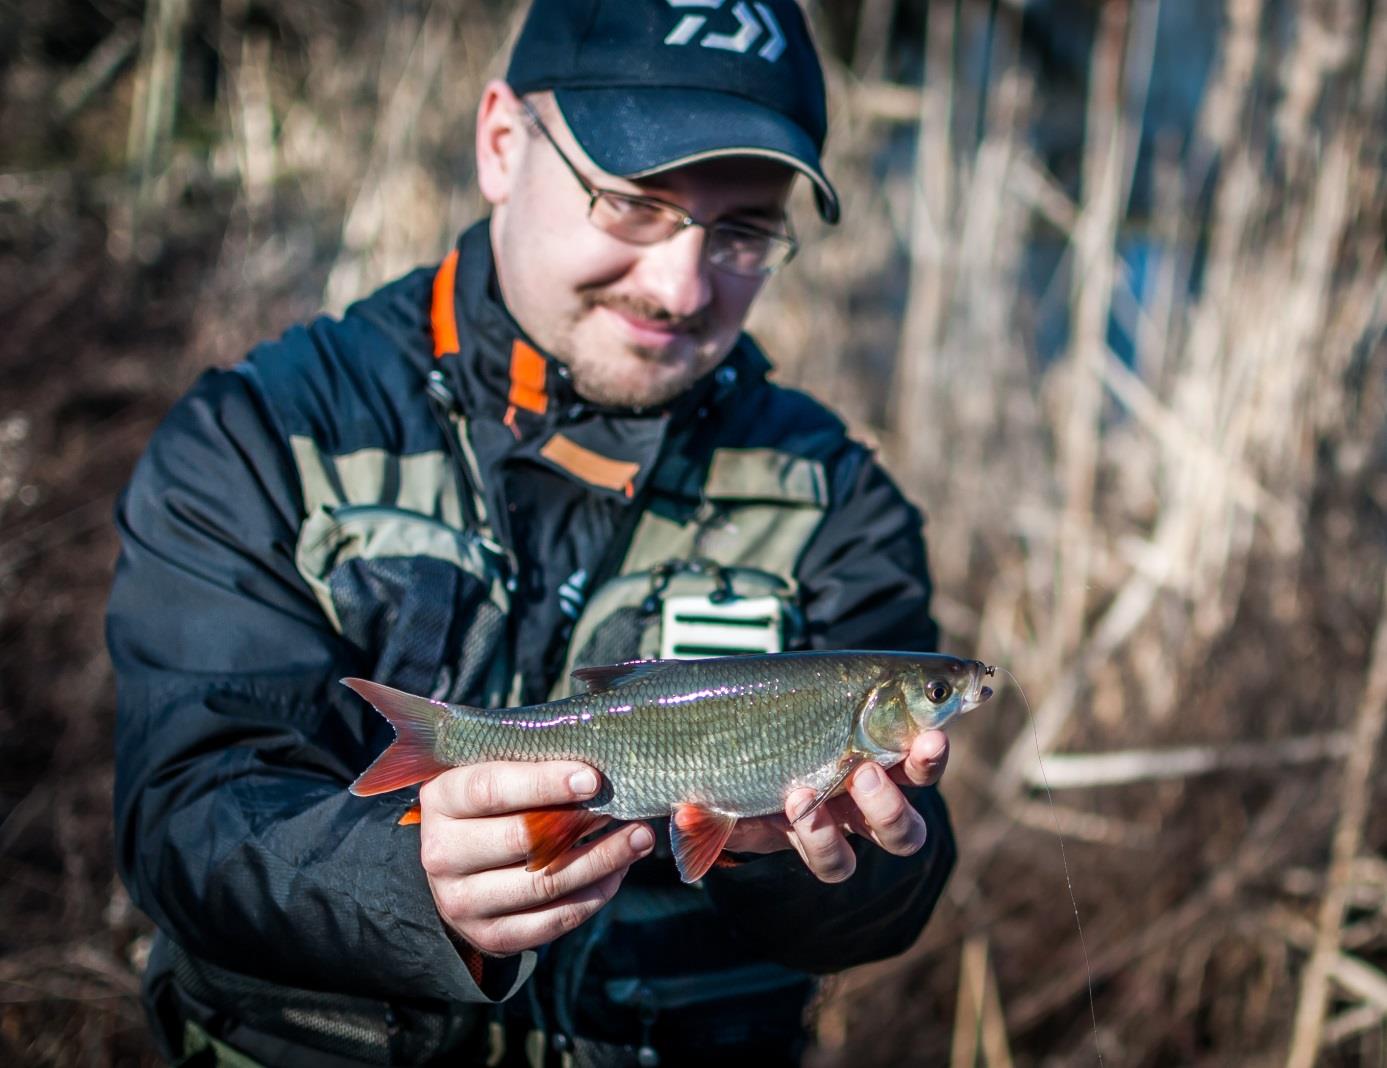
(1064, 860)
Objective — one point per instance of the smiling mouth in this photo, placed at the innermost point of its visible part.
(648, 327)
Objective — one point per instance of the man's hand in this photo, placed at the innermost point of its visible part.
(873, 807)
(473, 844)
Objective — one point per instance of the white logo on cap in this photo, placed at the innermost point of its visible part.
(748, 28)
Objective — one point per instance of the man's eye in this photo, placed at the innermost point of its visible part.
(743, 240)
(635, 210)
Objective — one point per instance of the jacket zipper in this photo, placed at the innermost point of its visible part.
(443, 404)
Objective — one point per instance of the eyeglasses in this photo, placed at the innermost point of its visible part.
(731, 247)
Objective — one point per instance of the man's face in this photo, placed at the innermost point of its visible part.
(635, 324)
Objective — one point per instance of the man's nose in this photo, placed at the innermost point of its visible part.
(677, 273)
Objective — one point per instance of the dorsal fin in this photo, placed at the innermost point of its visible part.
(602, 679)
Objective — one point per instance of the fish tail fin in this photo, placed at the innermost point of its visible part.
(410, 758)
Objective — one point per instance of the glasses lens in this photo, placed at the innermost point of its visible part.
(735, 249)
(749, 252)
(634, 219)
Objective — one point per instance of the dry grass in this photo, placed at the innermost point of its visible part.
(1176, 546)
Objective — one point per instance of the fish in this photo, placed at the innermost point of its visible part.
(706, 742)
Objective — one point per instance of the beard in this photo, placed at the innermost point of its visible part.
(628, 375)
(605, 387)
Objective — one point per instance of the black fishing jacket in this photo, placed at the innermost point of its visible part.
(295, 520)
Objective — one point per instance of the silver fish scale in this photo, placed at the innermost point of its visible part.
(731, 735)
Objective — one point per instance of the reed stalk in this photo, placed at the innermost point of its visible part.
(156, 95)
(1354, 797)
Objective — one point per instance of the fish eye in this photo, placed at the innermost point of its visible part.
(937, 690)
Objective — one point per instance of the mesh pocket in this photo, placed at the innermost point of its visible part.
(618, 639)
(278, 1024)
(347, 1027)
(432, 623)
(427, 599)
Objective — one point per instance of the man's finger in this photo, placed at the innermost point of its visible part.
(511, 890)
(498, 787)
(819, 840)
(543, 924)
(888, 817)
(925, 762)
(760, 834)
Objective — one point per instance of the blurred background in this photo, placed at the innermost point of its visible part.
(1110, 298)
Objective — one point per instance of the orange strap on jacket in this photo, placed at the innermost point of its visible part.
(443, 314)
(527, 371)
(527, 367)
(591, 466)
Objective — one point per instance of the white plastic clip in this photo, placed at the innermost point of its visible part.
(694, 627)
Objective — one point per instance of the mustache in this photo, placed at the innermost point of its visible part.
(646, 309)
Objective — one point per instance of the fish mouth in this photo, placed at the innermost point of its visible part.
(977, 692)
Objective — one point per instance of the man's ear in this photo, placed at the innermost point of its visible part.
(500, 141)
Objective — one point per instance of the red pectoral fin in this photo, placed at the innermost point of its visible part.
(413, 815)
(553, 831)
(697, 836)
(846, 766)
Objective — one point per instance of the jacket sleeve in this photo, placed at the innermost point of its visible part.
(865, 586)
(235, 744)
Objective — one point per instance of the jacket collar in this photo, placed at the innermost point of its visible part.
(499, 375)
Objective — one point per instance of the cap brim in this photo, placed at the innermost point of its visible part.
(639, 132)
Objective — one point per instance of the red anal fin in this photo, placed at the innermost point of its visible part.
(414, 814)
(727, 860)
(553, 831)
(697, 835)
(410, 759)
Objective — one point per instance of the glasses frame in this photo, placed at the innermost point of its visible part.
(679, 219)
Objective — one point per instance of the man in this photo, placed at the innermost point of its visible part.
(480, 477)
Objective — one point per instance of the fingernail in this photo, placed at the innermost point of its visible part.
(583, 782)
(642, 841)
(800, 806)
(870, 779)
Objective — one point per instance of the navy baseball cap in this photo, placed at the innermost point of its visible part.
(649, 85)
